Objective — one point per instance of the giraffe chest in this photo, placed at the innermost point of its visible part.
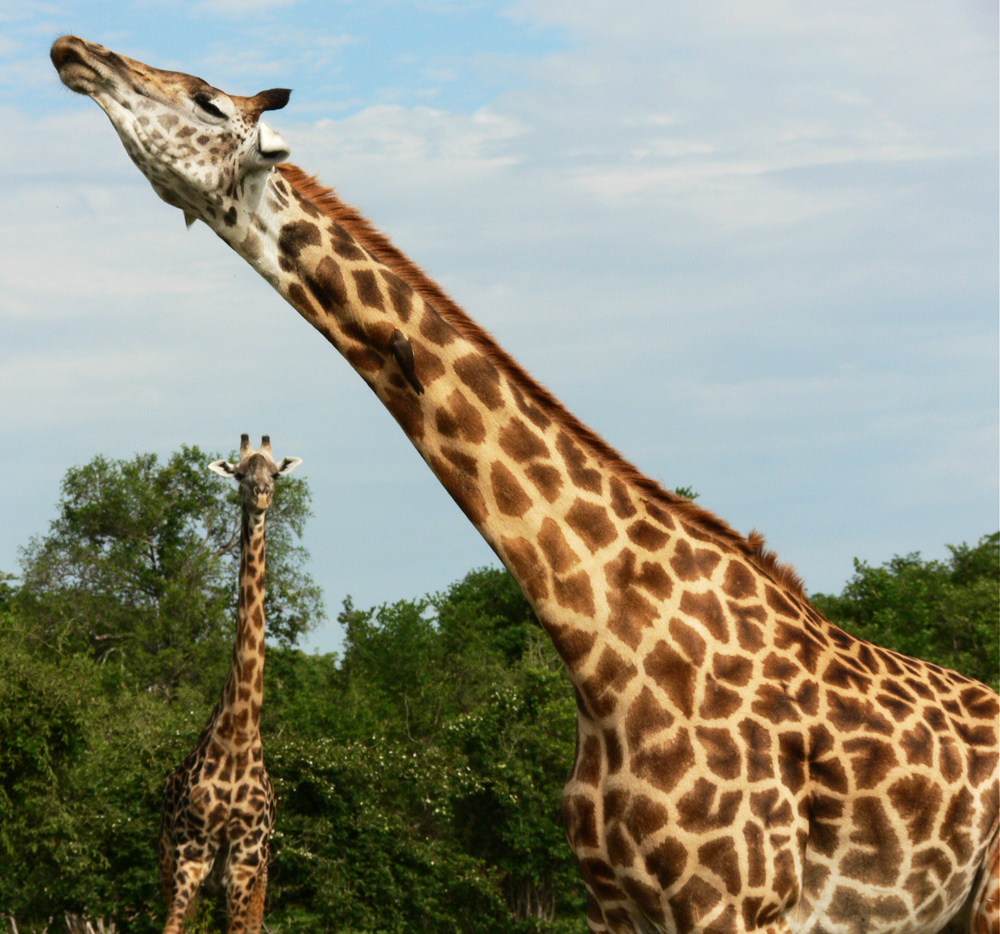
(664, 842)
(805, 805)
(221, 797)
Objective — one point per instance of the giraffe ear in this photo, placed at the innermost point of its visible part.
(288, 464)
(274, 99)
(223, 468)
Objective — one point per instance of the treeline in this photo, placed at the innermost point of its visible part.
(419, 773)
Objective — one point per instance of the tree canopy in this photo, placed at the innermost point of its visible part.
(139, 567)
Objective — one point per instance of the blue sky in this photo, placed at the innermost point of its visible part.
(754, 245)
(349, 55)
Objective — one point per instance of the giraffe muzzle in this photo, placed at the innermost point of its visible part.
(76, 69)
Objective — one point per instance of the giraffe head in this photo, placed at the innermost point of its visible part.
(197, 145)
(256, 473)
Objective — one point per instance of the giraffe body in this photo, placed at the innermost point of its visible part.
(742, 764)
(218, 804)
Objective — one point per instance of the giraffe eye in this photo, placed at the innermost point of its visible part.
(205, 103)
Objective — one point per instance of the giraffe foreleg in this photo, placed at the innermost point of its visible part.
(187, 876)
(596, 923)
(255, 911)
(246, 887)
(167, 863)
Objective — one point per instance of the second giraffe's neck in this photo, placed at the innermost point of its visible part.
(239, 718)
(557, 505)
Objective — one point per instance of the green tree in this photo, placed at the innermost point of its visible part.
(42, 725)
(945, 612)
(139, 568)
(81, 772)
(392, 670)
(363, 842)
(459, 716)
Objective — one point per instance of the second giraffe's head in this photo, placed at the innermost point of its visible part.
(256, 473)
(197, 145)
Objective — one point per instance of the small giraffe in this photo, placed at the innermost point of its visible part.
(219, 802)
(742, 764)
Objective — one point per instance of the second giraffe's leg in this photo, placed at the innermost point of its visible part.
(167, 867)
(595, 916)
(985, 916)
(245, 874)
(255, 913)
(181, 891)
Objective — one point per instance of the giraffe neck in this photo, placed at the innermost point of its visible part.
(238, 720)
(558, 506)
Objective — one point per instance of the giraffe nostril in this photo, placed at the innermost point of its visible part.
(64, 52)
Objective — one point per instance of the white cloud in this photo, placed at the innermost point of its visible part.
(432, 138)
(240, 7)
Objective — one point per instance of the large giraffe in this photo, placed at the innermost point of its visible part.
(219, 802)
(742, 764)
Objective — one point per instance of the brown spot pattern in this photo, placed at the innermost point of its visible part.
(687, 640)
(645, 718)
(547, 480)
(575, 593)
(876, 855)
(520, 443)
(734, 669)
(692, 564)
(720, 856)
(591, 522)
(297, 236)
(528, 409)
(708, 611)
(722, 755)
(674, 674)
(582, 476)
(482, 377)
(647, 536)
(461, 419)
(664, 765)
(621, 502)
(435, 329)
(510, 496)
(554, 546)
(704, 810)
(612, 674)
(326, 285)
(666, 863)
(367, 287)
(461, 489)
(739, 583)
(917, 800)
(525, 564)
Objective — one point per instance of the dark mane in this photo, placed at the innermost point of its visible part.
(379, 245)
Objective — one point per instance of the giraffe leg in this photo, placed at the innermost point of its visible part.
(246, 886)
(255, 912)
(181, 889)
(985, 915)
(595, 916)
(167, 863)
